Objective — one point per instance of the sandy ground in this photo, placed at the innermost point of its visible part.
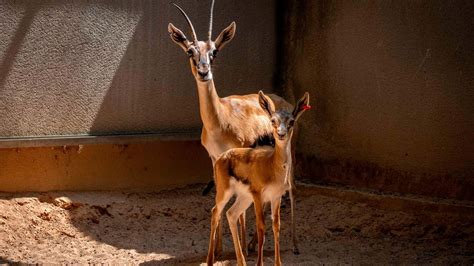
(172, 227)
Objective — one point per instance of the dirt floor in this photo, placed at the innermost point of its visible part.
(172, 227)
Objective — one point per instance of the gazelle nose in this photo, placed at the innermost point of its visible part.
(281, 135)
(203, 66)
(203, 69)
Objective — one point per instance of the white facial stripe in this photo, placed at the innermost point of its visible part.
(281, 129)
(202, 60)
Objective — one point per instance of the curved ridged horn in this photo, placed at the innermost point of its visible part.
(195, 40)
(210, 21)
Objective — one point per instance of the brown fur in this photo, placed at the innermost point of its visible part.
(242, 116)
(230, 122)
(256, 175)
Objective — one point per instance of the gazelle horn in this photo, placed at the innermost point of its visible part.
(210, 21)
(195, 40)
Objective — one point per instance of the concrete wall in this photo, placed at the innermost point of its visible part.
(99, 67)
(146, 166)
(109, 67)
(391, 82)
(392, 86)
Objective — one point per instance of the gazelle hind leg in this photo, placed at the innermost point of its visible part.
(218, 250)
(276, 228)
(243, 232)
(292, 193)
(233, 214)
(254, 241)
(260, 227)
(294, 238)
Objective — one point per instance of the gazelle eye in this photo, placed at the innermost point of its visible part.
(212, 55)
(291, 123)
(273, 121)
(191, 51)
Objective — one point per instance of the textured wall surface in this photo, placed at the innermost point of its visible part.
(140, 166)
(392, 85)
(80, 67)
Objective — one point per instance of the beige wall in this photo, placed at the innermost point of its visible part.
(98, 67)
(109, 67)
(391, 82)
(392, 86)
(148, 166)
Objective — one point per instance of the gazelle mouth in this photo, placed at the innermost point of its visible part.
(204, 77)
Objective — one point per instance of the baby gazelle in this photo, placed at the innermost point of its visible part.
(260, 175)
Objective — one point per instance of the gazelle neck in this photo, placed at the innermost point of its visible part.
(209, 104)
(282, 159)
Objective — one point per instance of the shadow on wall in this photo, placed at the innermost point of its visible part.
(13, 47)
(144, 94)
(392, 91)
(79, 67)
(16, 42)
(58, 64)
(153, 87)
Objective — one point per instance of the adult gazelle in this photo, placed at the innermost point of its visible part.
(230, 122)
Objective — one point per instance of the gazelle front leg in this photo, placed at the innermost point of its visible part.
(221, 200)
(215, 217)
(218, 236)
(233, 214)
(276, 228)
(258, 204)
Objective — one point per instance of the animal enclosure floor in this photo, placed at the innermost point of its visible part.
(172, 227)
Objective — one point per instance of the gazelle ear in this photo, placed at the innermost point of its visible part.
(266, 103)
(225, 36)
(301, 106)
(178, 37)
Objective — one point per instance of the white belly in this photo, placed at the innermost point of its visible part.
(273, 192)
(239, 188)
(216, 144)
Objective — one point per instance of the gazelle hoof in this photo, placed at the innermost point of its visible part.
(242, 263)
(217, 253)
(245, 251)
(251, 247)
(296, 251)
